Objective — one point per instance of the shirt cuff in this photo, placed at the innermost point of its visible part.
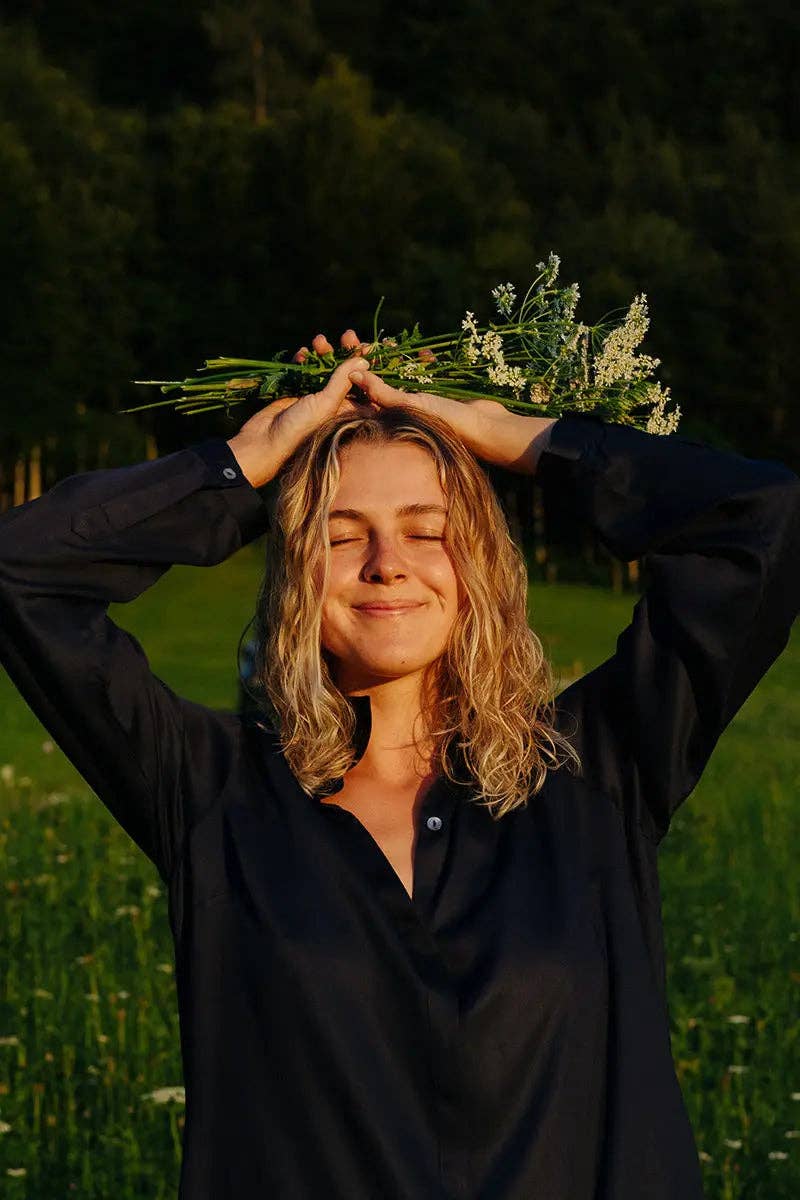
(576, 436)
(222, 470)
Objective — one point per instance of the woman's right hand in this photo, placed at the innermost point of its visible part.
(272, 435)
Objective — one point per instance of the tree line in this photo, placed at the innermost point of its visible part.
(199, 179)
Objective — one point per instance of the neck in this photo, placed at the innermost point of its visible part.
(392, 754)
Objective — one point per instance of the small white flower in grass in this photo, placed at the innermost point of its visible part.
(701, 1154)
(795, 1096)
(779, 1154)
(16, 1172)
(735, 1069)
(152, 890)
(123, 995)
(102, 1038)
(165, 967)
(43, 994)
(48, 747)
(62, 858)
(738, 1019)
(10, 1039)
(5, 1127)
(7, 774)
(733, 1143)
(792, 1133)
(93, 996)
(505, 298)
(165, 1095)
(127, 910)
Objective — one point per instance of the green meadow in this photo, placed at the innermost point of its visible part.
(89, 1051)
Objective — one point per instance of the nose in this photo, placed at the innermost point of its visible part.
(384, 562)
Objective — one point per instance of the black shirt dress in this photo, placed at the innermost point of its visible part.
(502, 1035)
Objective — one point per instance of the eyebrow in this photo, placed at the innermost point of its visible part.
(405, 510)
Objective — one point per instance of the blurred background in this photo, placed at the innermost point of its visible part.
(180, 181)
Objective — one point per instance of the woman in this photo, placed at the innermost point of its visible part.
(416, 913)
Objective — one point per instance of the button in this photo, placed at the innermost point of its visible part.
(229, 472)
(434, 823)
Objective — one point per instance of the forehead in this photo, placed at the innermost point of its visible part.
(387, 477)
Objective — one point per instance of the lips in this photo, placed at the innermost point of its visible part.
(387, 608)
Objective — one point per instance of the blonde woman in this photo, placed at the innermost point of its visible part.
(414, 901)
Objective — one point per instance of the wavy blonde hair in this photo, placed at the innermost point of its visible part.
(491, 688)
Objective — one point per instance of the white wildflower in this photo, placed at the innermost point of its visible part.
(5, 1127)
(164, 1095)
(472, 344)
(795, 1096)
(738, 1019)
(62, 858)
(10, 1039)
(53, 798)
(779, 1154)
(16, 1172)
(127, 910)
(48, 747)
(414, 371)
(734, 1143)
(165, 967)
(792, 1133)
(551, 269)
(660, 422)
(569, 303)
(43, 994)
(500, 372)
(93, 996)
(735, 1069)
(616, 361)
(704, 1157)
(505, 297)
(7, 774)
(152, 890)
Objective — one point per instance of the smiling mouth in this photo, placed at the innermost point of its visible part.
(386, 610)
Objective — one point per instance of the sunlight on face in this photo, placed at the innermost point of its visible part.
(383, 555)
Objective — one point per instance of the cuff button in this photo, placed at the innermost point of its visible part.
(229, 472)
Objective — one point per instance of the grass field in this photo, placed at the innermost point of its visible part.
(88, 1019)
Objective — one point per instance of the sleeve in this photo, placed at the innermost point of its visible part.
(719, 534)
(100, 537)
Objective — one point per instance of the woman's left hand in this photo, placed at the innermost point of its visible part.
(486, 427)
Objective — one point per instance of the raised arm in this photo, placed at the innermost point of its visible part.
(720, 538)
(106, 536)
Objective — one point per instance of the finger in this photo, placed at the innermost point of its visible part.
(376, 388)
(350, 340)
(282, 403)
(340, 383)
(321, 345)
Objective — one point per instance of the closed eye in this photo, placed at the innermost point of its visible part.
(421, 537)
